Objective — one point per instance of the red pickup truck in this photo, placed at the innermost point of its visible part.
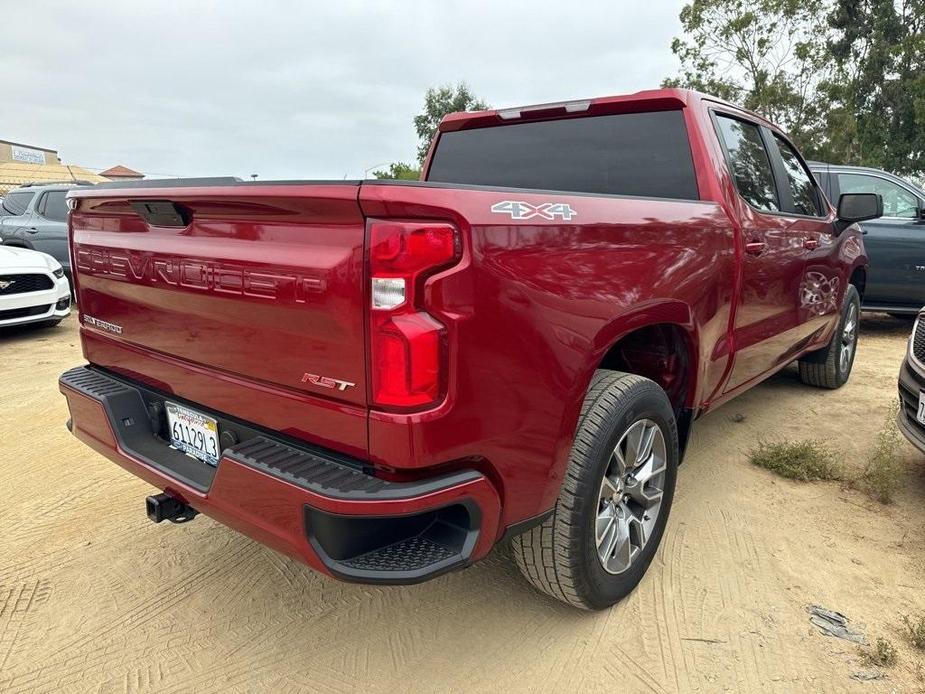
(386, 379)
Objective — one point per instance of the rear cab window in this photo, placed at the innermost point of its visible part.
(636, 154)
(17, 202)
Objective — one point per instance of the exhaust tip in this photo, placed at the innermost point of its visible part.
(161, 507)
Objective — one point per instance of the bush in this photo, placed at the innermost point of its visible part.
(883, 654)
(812, 460)
(882, 473)
(915, 631)
(805, 461)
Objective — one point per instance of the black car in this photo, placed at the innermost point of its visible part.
(911, 419)
(895, 242)
(35, 216)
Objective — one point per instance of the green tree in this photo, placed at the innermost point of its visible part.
(439, 101)
(877, 92)
(399, 171)
(768, 55)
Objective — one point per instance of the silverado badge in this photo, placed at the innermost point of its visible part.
(103, 325)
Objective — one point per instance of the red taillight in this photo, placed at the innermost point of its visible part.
(407, 345)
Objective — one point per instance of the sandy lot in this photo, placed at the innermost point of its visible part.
(93, 597)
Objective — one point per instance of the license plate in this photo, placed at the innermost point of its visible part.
(193, 433)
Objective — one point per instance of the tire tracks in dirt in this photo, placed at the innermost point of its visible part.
(16, 604)
(722, 608)
(144, 611)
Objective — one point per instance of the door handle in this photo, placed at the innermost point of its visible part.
(755, 247)
(811, 243)
(31, 230)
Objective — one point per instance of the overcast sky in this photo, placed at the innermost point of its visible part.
(290, 89)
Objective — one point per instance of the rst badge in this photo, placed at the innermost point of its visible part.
(326, 382)
(518, 209)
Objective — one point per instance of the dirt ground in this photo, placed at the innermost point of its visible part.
(93, 597)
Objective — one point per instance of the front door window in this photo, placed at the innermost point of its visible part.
(897, 201)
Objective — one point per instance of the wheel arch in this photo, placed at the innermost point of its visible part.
(662, 352)
(658, 341)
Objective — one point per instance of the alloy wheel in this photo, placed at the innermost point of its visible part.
(630, 496)
(849, 338)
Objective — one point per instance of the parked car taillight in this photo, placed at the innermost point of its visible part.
(407, 345)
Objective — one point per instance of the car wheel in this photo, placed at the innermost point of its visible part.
(830, 366)
(615, 498)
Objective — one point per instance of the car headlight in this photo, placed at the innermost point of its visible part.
(58, 272)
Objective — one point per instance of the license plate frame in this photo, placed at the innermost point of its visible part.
(193, 433)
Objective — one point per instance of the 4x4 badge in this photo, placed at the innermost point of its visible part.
(518, 209)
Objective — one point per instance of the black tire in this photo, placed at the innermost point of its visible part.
(825, 368)
(560, 557)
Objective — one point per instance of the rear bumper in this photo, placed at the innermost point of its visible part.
(313, 505)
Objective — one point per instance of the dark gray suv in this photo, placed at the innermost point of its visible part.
(35, 216)
(895, 242)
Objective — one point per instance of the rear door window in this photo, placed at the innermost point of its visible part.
(749, 163)
(17, 202)
(806, 198)
(639, 154)
(54, 206)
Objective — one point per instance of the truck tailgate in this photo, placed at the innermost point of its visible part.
(246, 288)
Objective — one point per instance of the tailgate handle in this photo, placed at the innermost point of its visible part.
(163, 213)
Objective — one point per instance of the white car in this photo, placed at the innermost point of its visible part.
(33, 288)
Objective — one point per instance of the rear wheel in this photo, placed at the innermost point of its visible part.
(830, 367)
(615, 498)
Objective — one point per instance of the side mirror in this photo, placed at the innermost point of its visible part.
(858, 207)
